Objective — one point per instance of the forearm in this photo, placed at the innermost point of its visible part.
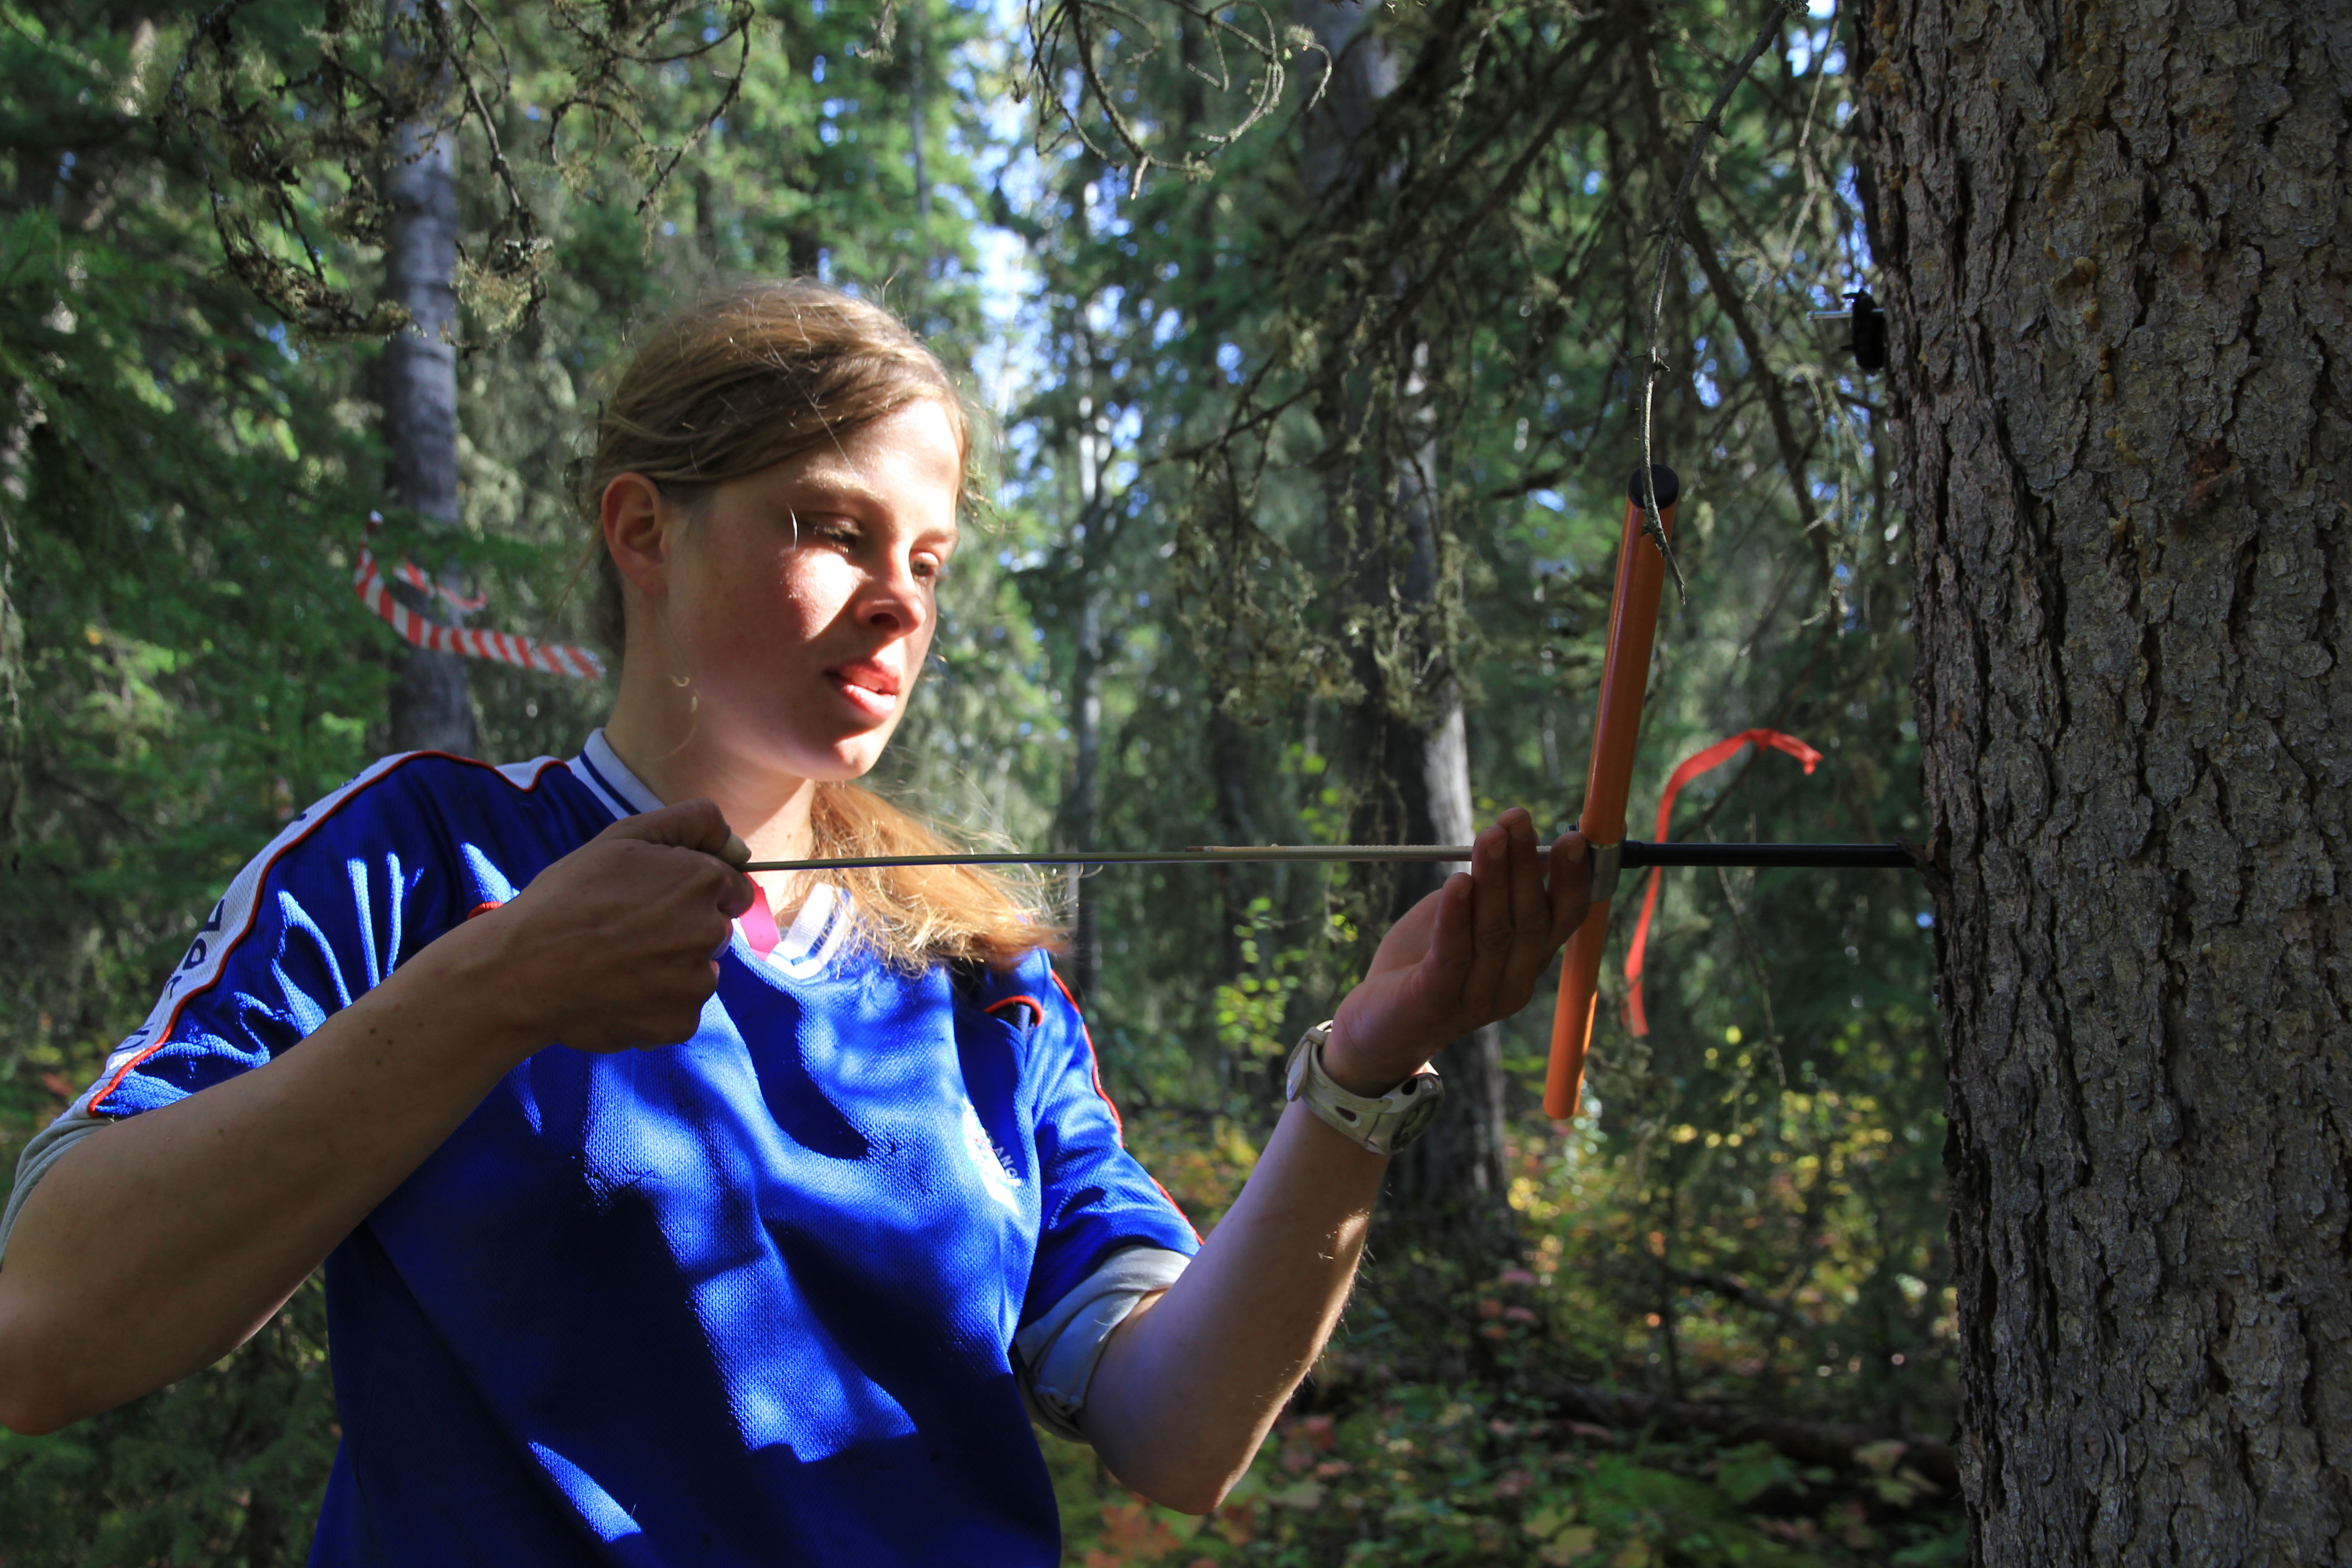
(157, 1245)
(1188, 1384)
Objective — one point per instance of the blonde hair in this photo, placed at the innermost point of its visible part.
(734, 383)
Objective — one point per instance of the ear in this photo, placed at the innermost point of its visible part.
(637, 531)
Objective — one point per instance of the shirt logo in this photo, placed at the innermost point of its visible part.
(995, 1170)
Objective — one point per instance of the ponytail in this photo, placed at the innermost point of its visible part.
(914, 916)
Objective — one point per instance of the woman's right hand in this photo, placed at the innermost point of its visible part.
(217, 1207)
(612, 947)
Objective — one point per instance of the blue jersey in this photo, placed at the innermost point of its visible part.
(747, 1300)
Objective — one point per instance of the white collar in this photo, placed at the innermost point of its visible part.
(819, 928)
(622, 791)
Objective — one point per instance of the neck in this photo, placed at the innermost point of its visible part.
(655, 734)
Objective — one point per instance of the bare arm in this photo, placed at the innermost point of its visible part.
(1190, 1382)
(212, 1210)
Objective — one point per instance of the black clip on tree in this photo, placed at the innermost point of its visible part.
(1866, 340)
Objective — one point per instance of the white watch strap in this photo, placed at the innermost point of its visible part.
(1384, 1124)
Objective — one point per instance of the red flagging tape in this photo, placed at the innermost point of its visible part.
(1715, 756)
(554, 658)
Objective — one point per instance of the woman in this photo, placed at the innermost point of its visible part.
(637, 1254)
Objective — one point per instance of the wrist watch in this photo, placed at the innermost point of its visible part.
(1382, 1125)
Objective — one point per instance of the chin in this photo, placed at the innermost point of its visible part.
(840, 764)
(821, 757)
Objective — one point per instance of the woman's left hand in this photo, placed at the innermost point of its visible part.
(1190, 1382)
(1467, 954)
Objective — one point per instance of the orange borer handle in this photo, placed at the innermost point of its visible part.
(1616, 730)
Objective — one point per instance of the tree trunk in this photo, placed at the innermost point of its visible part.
(1457, 1172)
(1407, 748)
(1191, 100)
(1085, 787)
(2118, 282)
(14, 436)
(432, 709)
(917, 85)
(1229, 774)
(1082, 810)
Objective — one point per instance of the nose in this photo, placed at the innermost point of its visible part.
(895, 601)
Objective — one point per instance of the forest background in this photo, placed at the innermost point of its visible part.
(1315, 342)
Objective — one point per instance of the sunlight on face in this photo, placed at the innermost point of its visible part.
(800, 604)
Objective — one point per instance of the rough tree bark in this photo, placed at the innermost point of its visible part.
(1406, 747)
(432, 707)
(2116, 270)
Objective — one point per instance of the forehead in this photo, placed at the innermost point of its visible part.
(910, 458)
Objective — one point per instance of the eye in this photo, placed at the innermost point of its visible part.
(832, 527)
(930, 568)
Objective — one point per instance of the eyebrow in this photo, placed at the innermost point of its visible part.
(838, 485)
(844, 483)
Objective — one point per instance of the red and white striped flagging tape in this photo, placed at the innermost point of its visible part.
(555, 658)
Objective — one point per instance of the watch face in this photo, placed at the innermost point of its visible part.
(1416, 1120)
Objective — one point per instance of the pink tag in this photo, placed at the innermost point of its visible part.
(760, 924)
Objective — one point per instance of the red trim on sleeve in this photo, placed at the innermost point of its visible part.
(1094, 1061)
(1094, 1072)
(350, 792)
(485, 907)
(1035, 1007)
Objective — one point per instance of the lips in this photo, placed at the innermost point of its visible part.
(876, 677)
(870, 687)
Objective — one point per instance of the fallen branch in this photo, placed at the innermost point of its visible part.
(1732, 1287)
(1829, 1443)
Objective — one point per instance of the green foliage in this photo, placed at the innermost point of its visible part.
(1760, 1178)
(226, 1468)
(1752, 1211)
(1615, 1285)
(1216, 383)
(291, 118)
(182, 482)
(1429, 1476)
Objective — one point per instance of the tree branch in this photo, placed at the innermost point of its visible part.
(1669, 234)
